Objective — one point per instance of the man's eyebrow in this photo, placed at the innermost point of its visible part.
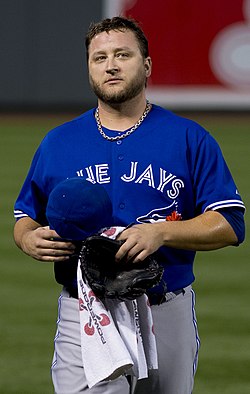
(123, 49)
(101, 51)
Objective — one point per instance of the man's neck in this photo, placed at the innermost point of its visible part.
(121, 116)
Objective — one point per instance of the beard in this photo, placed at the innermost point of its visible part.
(134, 87)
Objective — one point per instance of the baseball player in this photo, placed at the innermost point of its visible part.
(163, 173)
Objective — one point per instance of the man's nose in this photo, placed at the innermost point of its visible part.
(112, 71)
(112, 66)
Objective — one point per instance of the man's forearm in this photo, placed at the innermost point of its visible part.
(208, 231)
(22, 226)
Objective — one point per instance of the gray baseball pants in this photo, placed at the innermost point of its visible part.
(177, 341)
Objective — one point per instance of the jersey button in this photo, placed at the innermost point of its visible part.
(119, 142)
(122, 205)
(120, 157)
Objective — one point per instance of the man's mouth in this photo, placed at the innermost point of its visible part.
(113, 80)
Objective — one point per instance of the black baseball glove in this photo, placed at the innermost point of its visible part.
(111, 279)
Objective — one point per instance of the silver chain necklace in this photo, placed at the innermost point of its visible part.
(124, 135)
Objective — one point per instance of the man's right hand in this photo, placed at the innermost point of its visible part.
(41, 243)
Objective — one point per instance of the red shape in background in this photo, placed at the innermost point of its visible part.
(180, 33)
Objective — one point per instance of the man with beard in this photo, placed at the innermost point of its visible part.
(168, 182)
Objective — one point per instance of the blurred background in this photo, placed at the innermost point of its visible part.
(200, 51)
(201, 70)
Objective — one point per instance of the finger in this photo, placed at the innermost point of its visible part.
(123, 250)
(53, 259)
(132, 255)
(47, 233)
(54, 243)
(121, 237)
(54, 255)
(140, 256)
(51, 235)
(128, 232)
(62, 245)
(58, 252)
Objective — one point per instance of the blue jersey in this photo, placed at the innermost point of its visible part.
(170, 168)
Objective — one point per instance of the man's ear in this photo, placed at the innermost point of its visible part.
(148, 66)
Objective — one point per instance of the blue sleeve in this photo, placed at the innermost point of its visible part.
(235, 217)
(32, 200)
(214, 185)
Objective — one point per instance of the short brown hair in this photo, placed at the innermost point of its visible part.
(118, 23)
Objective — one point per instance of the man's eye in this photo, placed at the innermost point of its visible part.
(122, 54)
(100, 58)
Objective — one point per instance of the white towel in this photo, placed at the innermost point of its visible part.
(116, 338)
(135, 325)
(104, 354)
(147, 332)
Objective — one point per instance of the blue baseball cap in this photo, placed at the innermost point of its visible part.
(77, 209)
